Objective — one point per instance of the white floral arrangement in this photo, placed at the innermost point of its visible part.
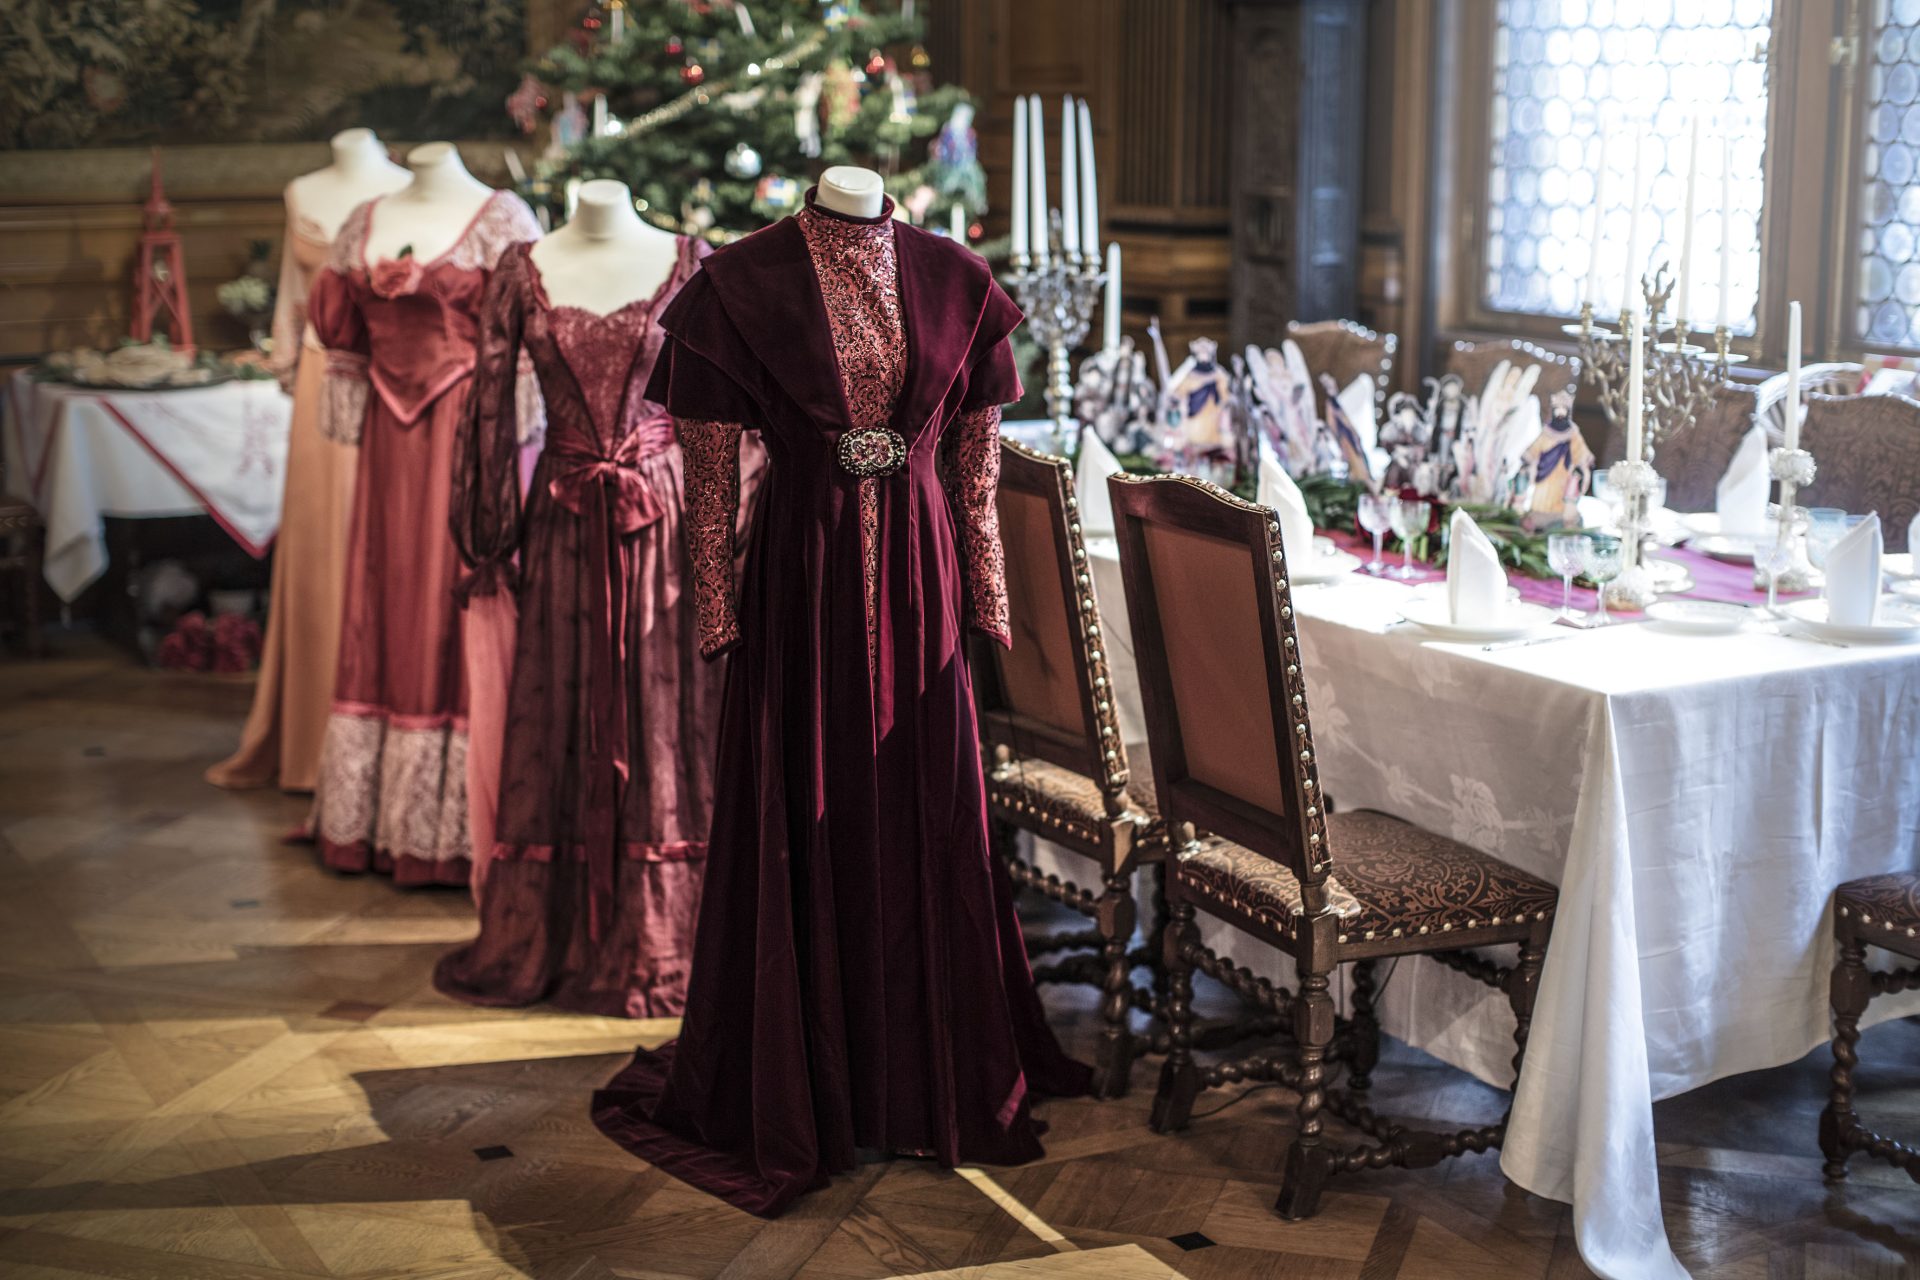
(246, 296)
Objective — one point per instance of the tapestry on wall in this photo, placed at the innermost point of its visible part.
(134, 72)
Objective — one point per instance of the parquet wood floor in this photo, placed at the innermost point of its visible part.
(218, 1061)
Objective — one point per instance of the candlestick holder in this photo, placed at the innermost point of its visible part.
(1059, 298)
(1681, 377)
(1638, 584)
(1794, 469)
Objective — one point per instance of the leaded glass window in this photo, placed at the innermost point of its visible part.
(1560, 68)
(1890, 267)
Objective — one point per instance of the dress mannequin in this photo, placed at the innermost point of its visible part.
(432, 212)
(605, 257)
(847, 189)
(360, 171)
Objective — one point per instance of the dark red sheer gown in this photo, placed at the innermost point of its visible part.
(402, 337)
(859, 977)
(589, 899)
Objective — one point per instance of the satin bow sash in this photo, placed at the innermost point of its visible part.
(613, 494)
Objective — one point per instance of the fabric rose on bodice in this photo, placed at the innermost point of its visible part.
(396, 277)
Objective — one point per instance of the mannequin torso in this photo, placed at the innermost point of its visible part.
(360, 171)
(432, 212)
(605, 257)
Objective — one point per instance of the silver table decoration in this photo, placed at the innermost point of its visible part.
(1059, 299)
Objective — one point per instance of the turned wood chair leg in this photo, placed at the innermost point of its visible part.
(1366, 1029)
(1851, 989)
(1114, 917)
(1158, 930)
(1522, 985)
(1179, 1077)
(1309, 1159)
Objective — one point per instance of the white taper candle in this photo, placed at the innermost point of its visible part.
(1793, 375)
(1089, 185)
(1018, 209)
(1110, 313)
(1037, 181)
(1636, 375)
(1629, 289)
(1069, 180)
(1685, 287)
(1599, 221)
(1726, 229)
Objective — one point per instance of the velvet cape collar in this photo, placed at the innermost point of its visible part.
(755, 308)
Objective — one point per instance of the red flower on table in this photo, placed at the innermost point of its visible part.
(396, 277)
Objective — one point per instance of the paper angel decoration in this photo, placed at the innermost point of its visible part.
(1197, 415)
(1446, 418)
(1496, 429)
(1561, 467)
(1404, 436)
(1282, 404)
(1116, 398)
(1353, 448)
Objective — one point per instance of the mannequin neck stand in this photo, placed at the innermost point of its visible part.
(359, 172)
(431, 212)
(606, 256)
(851, 192)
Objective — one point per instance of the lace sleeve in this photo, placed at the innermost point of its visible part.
(486, 475)
(289, 308)
(970, 468)
(711, 453)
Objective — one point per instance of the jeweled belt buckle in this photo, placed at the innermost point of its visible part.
(873, 451)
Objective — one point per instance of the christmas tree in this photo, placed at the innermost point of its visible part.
(719, 113)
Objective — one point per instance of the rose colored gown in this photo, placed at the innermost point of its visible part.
(589, 898)
(281, 740)
(859, 977)
(392, 795)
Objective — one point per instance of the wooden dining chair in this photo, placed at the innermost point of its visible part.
(1056, 765)
(1694, 456)
(1347, 350)
(1476, 361)
(1877, 911)
(1254, 843)
(1866, 453)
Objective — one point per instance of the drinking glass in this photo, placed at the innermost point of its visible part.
(1602, 559)
(1773, 556)
(1825, 526)
(1564, 556)
(1603, 489)
(1409, 519)
(1376, 517)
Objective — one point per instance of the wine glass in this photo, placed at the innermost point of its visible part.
(1825, 526)
(1602, 559)
(1376, 517)
(1564, 557)
(1409, 519)
(1603, 489)
(1773, 557)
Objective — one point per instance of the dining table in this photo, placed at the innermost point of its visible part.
(1696, 798)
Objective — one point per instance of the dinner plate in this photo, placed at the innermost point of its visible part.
(1699, 617)
(1898, 564)
(1429, 613)
(1329, 563)
(1899, 622)
(1733, 549)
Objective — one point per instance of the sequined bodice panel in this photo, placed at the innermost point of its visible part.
(860, 286)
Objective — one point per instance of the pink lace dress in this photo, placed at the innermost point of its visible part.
(589, 898)
(402, 338)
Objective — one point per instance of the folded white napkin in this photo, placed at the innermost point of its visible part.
(1090, 485)
(1476, 584)
(1277, 490)
(1741, 498)
(1853, 575)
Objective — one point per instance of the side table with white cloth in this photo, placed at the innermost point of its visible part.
(1697, 799)
(81, 455)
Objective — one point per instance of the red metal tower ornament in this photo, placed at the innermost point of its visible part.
(160, 278)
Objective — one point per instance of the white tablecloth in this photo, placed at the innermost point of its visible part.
(1696, 800)
(81, 456)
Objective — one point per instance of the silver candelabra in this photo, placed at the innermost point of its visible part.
(1059, 297)
(1790, 569)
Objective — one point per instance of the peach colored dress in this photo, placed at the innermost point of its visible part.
(281, 740)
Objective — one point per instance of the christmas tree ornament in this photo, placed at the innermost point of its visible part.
(806, 113)
(743, 161)
(675, 46)
(616, 21)
(693, 73)
(876, 62)
(526, 102)
(777, 194)
(842, 95)
(918, 59)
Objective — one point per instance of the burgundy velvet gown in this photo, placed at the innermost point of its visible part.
(859, 977)
(591, 892)
(401, 338)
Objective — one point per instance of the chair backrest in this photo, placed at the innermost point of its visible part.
(1346, 350)
(1866, 451)
(1049, 696)
(1219, 662)
(1830, 378)
(1476, 361)
(1694, 457)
